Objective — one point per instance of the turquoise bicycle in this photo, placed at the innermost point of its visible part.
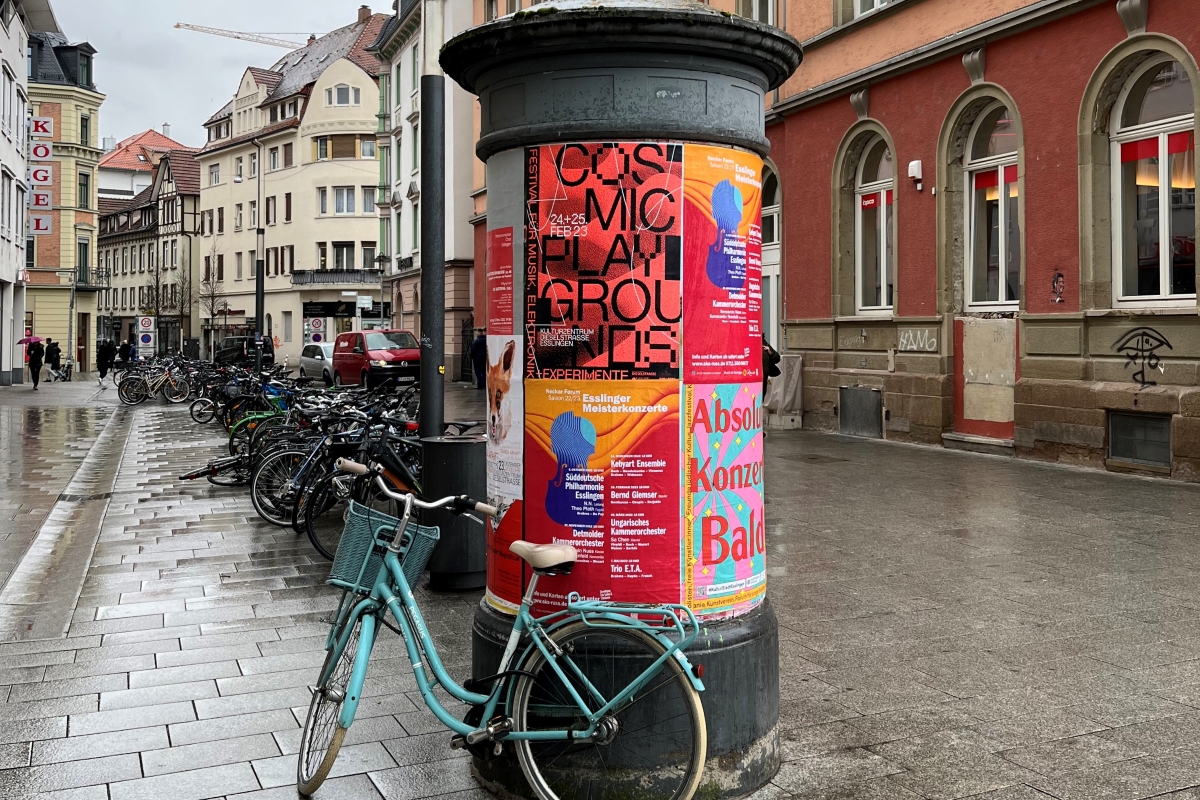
(601, 702)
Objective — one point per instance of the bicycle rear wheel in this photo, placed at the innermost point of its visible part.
(651, 746)
(322, 736)
(176, 389)
(203, 410)
(132, 390)
(271, 485)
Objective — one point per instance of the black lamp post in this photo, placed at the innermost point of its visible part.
(381, 261)
(260, 290)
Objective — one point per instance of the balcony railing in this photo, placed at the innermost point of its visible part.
(319, 277)
(90, 280)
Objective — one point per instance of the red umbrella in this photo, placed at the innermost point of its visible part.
(29, 340)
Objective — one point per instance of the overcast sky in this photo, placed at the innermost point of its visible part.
(153, 73)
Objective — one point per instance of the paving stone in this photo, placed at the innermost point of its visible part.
(205, 655)
(68, 687)
(193, 785)
(208, 730)
(356, 759)
(126, 718)
(15, 755)
(181, 758)
(99, 667)
(32, 730)
(825, 772)
(351, 787)
(423, 780)
(68, 775)
(156, 695)
(99, 744)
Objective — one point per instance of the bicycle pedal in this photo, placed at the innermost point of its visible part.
(458, 742)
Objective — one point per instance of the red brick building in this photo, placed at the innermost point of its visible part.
(976, 222)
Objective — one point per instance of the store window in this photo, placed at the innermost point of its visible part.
(993, 213)
(1154, 187)
(874, 248)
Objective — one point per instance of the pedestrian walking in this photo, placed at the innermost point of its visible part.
(123, 351)
(133, 350)
(770, 369)
(104, 359)
(54, 360)
(34, 353)
(479, 359)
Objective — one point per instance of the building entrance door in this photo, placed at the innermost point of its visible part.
(82, 334)
(985, 376)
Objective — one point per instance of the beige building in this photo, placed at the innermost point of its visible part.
(292, 159)
(150, 251)
(60, 298)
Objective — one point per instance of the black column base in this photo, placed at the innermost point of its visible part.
(740, 698)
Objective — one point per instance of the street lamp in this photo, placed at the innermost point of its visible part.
(381, 261)
(260, 289)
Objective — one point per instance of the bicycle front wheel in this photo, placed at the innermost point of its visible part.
(176, 390)
(132, 390)
(322, 736)
(653, 745)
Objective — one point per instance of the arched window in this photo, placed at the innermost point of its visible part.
(993, 219)
(1153, 146)
(874, 250)
(771, 235)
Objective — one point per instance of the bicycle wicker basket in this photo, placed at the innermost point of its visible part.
(365, 539)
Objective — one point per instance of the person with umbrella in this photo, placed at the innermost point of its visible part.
(34, 353)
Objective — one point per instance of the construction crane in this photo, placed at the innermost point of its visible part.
(245, 37)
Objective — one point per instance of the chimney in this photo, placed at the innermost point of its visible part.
(167, 129)
(110, 143)
(312, 38)
(364, 13)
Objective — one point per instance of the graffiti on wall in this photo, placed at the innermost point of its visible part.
(1140, 347)
(921, 340)
(1057, 284)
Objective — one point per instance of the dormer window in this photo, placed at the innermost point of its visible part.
(342, 94)
(291, 109)
(85, 70)
(274, 113)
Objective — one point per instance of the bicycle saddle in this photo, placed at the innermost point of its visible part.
(547, 559)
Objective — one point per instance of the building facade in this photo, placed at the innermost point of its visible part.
(289, 173)
(127, 167)
(979, 245)
(15, 23)
(150, 251)
(399, 46)
(60, 296)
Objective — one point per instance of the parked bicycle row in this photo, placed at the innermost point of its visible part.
(284, 436)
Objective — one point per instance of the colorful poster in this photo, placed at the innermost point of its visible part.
(602, 474)
(500, 281)
(722, 263)
(602, 260)
(724, 535)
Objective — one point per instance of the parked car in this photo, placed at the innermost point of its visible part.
(240, 351)
(317, 359)
(368, 358)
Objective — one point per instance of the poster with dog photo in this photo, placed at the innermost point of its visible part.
(505, 445)
(722, 265)
(602, 475)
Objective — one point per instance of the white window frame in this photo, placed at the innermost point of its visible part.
(369, 206)
(754, 7)
(859, 7)
(1162, 129)
(972, 167)
(322, 201)
(862, 190)
(214, 174)
(343, 200)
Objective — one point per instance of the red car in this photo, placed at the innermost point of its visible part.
(368, 358)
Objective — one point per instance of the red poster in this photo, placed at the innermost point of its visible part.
(500, 281)
(722, 318)
(602, 474)
(602, 260)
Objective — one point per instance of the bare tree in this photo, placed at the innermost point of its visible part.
(185, 297)
(212, 292)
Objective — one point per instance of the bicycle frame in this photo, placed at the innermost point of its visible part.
(422, 651)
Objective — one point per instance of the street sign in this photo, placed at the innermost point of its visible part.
(41, 224)
(146, 341)
(317, 323)
(41, 127)
(317, 338)
(145, 323)
(41, 151)
(41, 175)
(365, 301)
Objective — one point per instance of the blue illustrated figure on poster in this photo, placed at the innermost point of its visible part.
(726, 266)
(574, 496)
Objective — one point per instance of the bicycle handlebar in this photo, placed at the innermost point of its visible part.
(458, 504)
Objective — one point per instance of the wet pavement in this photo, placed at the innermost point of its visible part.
(952, 625)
